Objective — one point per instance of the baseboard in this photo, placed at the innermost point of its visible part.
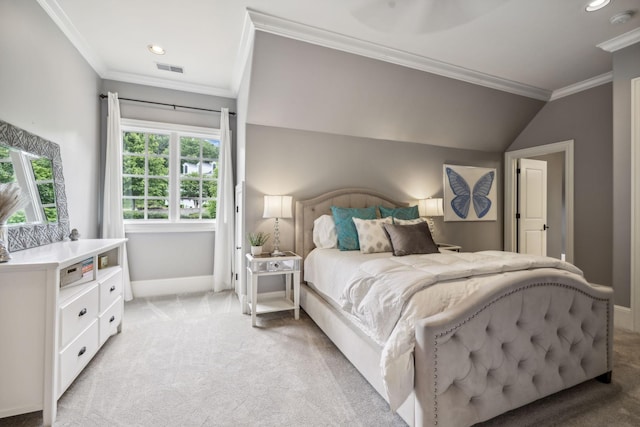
(622, 317)
(176, 285)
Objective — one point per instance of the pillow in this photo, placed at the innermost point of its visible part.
(371, 235)
(410, 212)
(346, 229)
(408, 221)
(411, 239)
(324, 232)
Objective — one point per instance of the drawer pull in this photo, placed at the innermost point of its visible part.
(82, 351)
(113, 288)
(82, 312)
(112, 319)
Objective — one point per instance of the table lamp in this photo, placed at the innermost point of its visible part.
(277, 207)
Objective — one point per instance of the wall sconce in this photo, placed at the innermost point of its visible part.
(277, 207)
(430, 208)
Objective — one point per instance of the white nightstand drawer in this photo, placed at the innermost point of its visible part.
(76, 355)
(78, 313)
(110, 289)
(110, 319)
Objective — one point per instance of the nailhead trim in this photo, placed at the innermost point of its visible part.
(490, 303)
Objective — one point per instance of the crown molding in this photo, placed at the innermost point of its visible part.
(57, 15)
(297, 31)
(583, 85)
(622, 41)
(169, 84)
(246, 44)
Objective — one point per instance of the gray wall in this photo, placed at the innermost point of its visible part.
(319, 119)
(298, 85)
(626, 66)
(47, 88)
(305, 164)
(169, 254)
(586, 118)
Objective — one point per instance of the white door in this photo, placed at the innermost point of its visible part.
(532, 207)
(239, 273)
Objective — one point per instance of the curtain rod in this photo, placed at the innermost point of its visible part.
(103, 96)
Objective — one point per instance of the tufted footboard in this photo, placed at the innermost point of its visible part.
(510, 346)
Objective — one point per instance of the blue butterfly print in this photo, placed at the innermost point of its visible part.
(460, 203)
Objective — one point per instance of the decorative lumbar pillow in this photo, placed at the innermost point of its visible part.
(346, 229)
(408, 221)
(324, 232)
(411, 239)
(371, 235)
(410, 212)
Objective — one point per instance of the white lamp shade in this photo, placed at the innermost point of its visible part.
(431, 207)
(277, 207)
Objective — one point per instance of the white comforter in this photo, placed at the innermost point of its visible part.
(380, 295)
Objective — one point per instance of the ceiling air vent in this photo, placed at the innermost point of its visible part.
(172, 68)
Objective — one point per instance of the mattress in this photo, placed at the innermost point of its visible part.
(329, 270)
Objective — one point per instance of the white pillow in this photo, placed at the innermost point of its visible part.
(372, 236)
(324, 232)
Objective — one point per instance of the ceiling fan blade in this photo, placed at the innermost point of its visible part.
(420, 16)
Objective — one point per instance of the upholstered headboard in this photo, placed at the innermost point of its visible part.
(308, 210)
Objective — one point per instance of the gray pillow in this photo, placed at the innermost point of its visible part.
(411, 239)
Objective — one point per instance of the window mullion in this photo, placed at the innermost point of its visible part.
(146, 176)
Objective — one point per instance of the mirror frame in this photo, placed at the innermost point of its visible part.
(32, 235)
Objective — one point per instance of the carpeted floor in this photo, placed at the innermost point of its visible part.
(194, 360)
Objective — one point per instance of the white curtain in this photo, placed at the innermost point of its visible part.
(223, 251)
(112, 222)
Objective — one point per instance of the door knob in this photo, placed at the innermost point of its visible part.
(545, 227)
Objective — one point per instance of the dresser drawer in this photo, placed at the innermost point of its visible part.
(78, 313)
(110, 319)
(110, 289)
(76, 355)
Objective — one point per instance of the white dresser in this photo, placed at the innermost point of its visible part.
(49, 333)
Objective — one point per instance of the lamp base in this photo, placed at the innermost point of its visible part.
(277, 253)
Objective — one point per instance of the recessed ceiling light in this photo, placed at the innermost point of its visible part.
(622, 17)
(594, 5)
(154, 48)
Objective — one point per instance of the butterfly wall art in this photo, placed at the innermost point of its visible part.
(469, 193)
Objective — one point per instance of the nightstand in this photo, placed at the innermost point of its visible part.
(447, 247)
(267, 265)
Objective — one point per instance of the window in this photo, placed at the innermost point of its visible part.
(34, 174)
(198, 177)
(169, 173)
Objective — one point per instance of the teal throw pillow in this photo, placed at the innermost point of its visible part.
(346, 229)
(410, 212)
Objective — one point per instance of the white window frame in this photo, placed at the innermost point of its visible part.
(26, 179)
(174, 223)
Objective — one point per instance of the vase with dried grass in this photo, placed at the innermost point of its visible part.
(11, 200)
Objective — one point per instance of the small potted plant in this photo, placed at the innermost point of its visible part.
(257, 240)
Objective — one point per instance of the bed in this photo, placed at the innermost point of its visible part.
(519, 336)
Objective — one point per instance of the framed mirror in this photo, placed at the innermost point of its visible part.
(35, 164)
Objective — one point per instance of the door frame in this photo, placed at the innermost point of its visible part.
(238, 240)
(510, 188)
(635, 205)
